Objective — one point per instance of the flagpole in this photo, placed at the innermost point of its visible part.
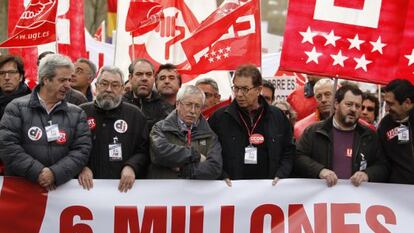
(133, 48)
(56, 31)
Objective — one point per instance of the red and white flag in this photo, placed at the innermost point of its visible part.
(36, 25)
(230, 36)
(365, 40)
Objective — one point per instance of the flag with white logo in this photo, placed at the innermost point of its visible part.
(366, 40)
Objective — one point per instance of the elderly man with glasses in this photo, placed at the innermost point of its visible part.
(256, 137)
(119, 134)
(183, 144)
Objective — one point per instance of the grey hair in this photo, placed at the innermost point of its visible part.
(208, 81)
(49, 64)
(90, 64)
(111, 69)
(190, 90)
(323, 82)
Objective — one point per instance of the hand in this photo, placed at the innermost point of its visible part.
(329, 176)
(86, 178)
(275, 180)
(228, 182)
(46, 178)
(358, 178)
(127, 179)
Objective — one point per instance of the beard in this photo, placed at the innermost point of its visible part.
(108, 102)
(348, 120)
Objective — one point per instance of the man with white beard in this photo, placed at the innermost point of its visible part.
(119, 134)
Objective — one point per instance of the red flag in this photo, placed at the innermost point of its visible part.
(228, 37)
(358, 40)
(143, 17)
(37, 25)
(158, 27)
(100, 34)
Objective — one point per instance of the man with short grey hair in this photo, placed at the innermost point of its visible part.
(119, 134)
(83, 76)
(211, 91)
(183, 145)
(324, 95)
(42, 137)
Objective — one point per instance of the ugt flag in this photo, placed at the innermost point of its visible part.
(362, 40)
(37, 25)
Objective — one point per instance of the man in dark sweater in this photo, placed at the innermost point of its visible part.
(119, 135)
(340, 147)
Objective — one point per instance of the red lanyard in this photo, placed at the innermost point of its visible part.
(189, 137)
(254, 125)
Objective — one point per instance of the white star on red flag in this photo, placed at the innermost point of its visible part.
(362, 63)
(331, 38)
(377, 45)
(313, 56)
(339, 59)
(410, 58)
(308, 36)
(355, 43)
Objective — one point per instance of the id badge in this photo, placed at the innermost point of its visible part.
(52, 132)
(115, 152)
(250, 155)
(403, 134)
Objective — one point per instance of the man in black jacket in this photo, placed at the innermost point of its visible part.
(42, 137)
(119, 134)
(256, 138)
(142, 78)
(11, 80)
(396, 130)
(11, 83)
(340, 147)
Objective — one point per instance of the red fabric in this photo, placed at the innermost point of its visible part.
(23, 200)
(372, 45)
(301, 125)
(166, 32)
(16, 8)
(143, 17)
(302, 105)
(209, 111)
(77, 48)
(36, 25)
(207, 50)
(112, 6)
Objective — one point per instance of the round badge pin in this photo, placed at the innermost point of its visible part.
(256, 139)
(120, 126)
(34, 133)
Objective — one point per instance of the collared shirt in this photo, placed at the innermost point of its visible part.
(44, 105)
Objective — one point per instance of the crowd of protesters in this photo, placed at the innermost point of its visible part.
(156, 128)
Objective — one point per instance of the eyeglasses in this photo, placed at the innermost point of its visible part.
(209, 95)
(191, 106)
(10, 72)
(114, 85)
(369, 109)
(244, 90)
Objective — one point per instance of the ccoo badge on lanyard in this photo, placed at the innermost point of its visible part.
(52, 132)
(115, 150)
(403, 134)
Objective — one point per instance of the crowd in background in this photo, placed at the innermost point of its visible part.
(150, 126)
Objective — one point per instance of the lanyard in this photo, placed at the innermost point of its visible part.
(249, 132)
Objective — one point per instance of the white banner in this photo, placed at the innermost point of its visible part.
(178, 206)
